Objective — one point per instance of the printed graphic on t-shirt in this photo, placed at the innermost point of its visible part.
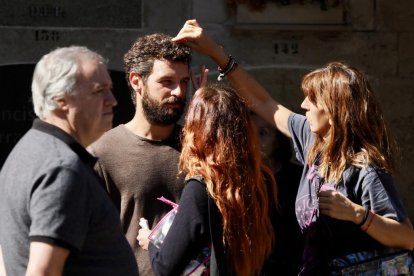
(307, 201)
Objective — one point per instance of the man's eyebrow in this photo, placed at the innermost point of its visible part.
(103, 84)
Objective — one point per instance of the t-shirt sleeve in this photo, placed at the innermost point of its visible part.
(380, 194)
(186, 233)
(301, 135)
(59, 209)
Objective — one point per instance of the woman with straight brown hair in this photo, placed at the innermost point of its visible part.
(219, 145)
(347, 205)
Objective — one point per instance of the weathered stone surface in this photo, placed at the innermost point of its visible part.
(66, 13)
(165, 16)
(212, 11)
(307, 14)
(20, 45)
(396, 96)
(406, 55)
(377, 54)
(361, 14)
(395, 15)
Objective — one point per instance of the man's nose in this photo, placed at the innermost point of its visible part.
(179, 91)
(110, 99)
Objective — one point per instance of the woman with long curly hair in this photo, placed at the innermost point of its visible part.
(347, 204)
(219, 145)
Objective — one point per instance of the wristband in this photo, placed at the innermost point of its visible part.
(369, 222)
(230, 66)
(364, 219)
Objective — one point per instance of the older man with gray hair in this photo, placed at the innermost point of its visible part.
(55, 216)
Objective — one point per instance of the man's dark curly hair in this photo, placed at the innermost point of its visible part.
(140, 58)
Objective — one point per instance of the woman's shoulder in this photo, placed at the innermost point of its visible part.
(195, 183)
(368, 174)
(195, 190)
(373, 171)
(296, 119)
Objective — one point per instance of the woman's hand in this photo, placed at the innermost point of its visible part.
(387, 231)
(194, 36)
(336, 205)
(142, 238)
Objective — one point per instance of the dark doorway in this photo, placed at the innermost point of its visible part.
(16, 109)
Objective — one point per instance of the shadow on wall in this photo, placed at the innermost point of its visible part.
(16, 109)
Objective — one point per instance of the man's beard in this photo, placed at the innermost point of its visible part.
(157, 113)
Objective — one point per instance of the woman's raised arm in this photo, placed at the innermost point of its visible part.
(258, 99)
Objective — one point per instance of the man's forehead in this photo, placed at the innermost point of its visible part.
(169, 66)
(94, 72)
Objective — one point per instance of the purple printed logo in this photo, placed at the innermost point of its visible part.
(307, 203)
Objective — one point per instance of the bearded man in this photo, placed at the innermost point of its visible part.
(138, 161)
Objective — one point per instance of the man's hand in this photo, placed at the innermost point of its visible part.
(143, 238)
(201, 80)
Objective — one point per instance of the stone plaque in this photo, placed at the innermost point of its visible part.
(68, 13)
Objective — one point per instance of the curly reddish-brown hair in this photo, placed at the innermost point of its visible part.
(142, 54)
(219, 143)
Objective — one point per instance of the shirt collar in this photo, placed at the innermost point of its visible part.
(57, 132)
